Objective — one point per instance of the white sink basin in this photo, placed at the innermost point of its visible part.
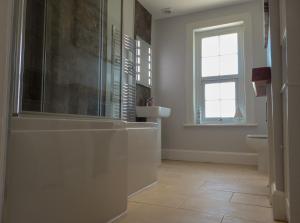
(152, 112)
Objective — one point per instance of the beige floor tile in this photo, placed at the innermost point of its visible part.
(212, 207)
(187, 189)
(213, 195)
(240, 220)
(159, 198)
(190, 192)
(209, 206)
(238, 188)
(251, 199)
(257, 181)
(133, 206)
(253, 213)
(155, 214)
(182, 180)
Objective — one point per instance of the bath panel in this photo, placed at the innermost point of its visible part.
(143, 155)
(66, 176)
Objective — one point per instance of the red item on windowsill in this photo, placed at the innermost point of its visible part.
(261, 77)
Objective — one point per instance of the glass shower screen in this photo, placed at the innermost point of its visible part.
(71, 57)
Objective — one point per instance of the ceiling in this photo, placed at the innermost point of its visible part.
(182, 7)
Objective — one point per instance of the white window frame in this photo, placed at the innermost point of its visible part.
(238, 79)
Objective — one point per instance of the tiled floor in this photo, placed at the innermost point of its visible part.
(202, 193)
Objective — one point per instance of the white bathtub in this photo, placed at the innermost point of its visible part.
(73, 171)
(66, 171)
(143, 155)
(53, 123)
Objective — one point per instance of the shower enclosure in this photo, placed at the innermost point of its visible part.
(68, 57)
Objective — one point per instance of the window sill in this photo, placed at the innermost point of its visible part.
(221, 125)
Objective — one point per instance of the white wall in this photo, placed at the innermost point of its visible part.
(5, 37)
(292, 109)
(169, 70)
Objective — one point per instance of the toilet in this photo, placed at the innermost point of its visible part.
(259, 143)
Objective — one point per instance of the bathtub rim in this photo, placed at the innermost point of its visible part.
(62, 123)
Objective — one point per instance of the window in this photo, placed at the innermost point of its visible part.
(220, 75)
(143, 63)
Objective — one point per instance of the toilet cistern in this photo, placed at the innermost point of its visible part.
(259, 143)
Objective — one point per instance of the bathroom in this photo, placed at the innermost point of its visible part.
(134, 111)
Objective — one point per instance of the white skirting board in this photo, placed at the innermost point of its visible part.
(118, 217)
(210, 157)
(288, 210)
(141, 190)
(279, 204)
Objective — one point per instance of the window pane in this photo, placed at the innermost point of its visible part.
(210, 66)
(212, 109)
(229, 64)
(228, 108)
(229, 44)
(210, 46)
(227, 91)
(212, 92)
(220, 100)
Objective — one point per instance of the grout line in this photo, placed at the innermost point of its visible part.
(153, 205)
(180, 208)
(207, 213)
(241, 218)
(145, 189)
(222, 219)
(252, 205)
(230, 200)
(181, 203)
(232, 191)
(204, 183)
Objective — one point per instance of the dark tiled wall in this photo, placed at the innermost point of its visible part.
(66, 57)
(33, 57)
(72, 68)
(142, 94)
(143, 22)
